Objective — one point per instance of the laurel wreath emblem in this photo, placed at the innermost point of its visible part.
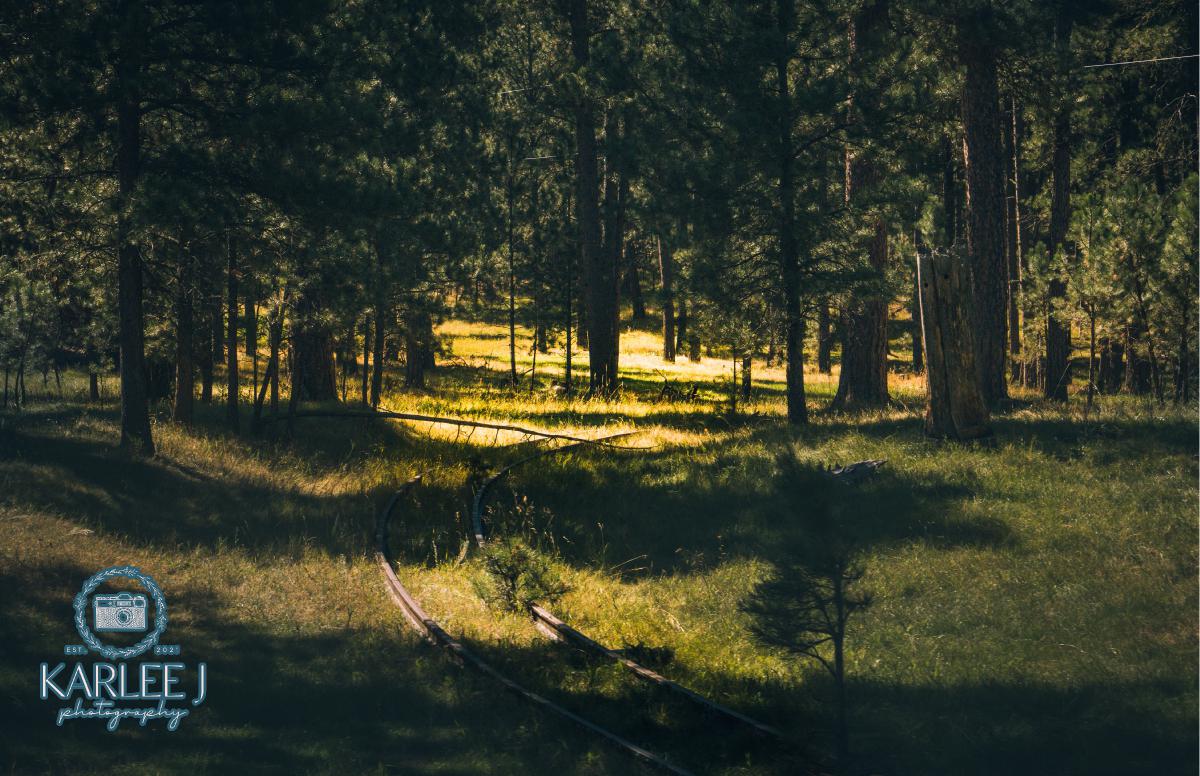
(89, 638)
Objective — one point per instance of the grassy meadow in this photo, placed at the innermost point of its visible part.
(1033, 602)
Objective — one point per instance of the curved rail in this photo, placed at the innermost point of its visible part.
(556, 629)
(433, 632)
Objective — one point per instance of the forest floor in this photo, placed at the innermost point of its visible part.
(1034, 603)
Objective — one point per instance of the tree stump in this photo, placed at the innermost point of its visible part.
(954, 408)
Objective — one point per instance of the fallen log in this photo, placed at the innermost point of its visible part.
(450, 422)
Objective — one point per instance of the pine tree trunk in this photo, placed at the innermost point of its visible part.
(366, 354)
(596, 265)
(1015, 249)
(569, 322)
(1104, 370)
(231, 399)
(418, 347)
(666, 274)
(985, 214)
(789, 250)
(1058, 331)
(617, 250)
(381, 300)
(512, 285)
(216, 339)
(269, 379)
(681, 325)
(616, 196)
(1138, 368)
(185, 380)
(1183, 358)
(205, 351)
(131, 332)
(914, 312)
(1091, 387)
(950, 198)
(747, 379)
(824, 338)
(633, 281)
(275, 337)
(252, 334)
(954, 406)
(862, 381)
(313, 376)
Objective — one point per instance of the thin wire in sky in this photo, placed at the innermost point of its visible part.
(1143, 61)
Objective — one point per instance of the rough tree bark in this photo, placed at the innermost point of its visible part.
(950, 199)
(418, 346)
(633, 281)
(666, 274)
(1183, 356)
(313, 377)
(681, 325)
(366, 364)
(510, 186)
(824, 339)
(596, 266)
(616, 197)
(251, 308)
(954, 406)
(216, 340)
(275, 342)
(204, 351)
(985, 213)
(1015, 248)
(1138, 371)
(1104, 372)
(1058, 331)
(377, 341)
(789, 250)
(914, 311)
(862, 381)
(131, 333)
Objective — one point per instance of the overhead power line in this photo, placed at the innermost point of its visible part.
(1143, 61)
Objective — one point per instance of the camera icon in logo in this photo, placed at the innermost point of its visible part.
(119, 612)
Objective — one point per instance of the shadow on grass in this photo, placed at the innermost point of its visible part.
(611, 508)
(1004, 728)
(347, 701)
(165, 503)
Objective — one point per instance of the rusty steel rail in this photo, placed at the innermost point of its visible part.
(575, 637)
(556, 629)
(435, 634)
